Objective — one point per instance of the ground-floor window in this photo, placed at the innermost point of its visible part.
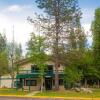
(31, 82)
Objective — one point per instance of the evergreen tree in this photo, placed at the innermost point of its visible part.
(36, 52)
(62, 15)
(3, 56)
(14, 52)
(18, 52)
(2, 43)
(96, 40)
(74, 55)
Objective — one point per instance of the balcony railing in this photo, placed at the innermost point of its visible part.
(37, 71)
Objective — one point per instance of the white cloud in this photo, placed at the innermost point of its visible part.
(15, 8)
(88, 15)
(21, 29)
(16, 15)
(87, 28)
(87, 18)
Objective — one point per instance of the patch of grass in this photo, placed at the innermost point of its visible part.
(12, 92)
(69, 93)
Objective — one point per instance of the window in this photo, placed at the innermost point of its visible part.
(31, 82)
(34, 68)
(50, 67)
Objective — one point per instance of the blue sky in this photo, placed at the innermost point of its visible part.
(87, 6)
(89, 3)
(15, 12)
(83, 3)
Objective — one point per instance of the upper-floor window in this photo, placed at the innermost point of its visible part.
(34, 68)
(50, 67)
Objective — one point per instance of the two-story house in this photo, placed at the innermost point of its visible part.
(28, 76)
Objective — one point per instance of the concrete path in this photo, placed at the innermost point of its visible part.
(32, 93)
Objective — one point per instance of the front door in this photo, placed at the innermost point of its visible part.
(48, 83)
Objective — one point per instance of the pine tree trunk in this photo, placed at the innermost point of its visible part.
(57, 26)
(42, 86)
(98, 83)
(56, 77)
(12, 84)
(85, 83)
(0, 81)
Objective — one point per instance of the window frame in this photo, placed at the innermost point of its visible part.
(30, 82)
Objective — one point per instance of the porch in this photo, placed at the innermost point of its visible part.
(30, 80)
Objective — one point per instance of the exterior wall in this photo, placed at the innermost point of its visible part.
(60, 68)
(34, 88)
(37, 87)
(52, 63)
(27, 66)
(6, 81)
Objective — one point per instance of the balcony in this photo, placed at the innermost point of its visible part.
(36, 73)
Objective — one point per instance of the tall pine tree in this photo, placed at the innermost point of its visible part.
(62, 15)
(96, 41)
